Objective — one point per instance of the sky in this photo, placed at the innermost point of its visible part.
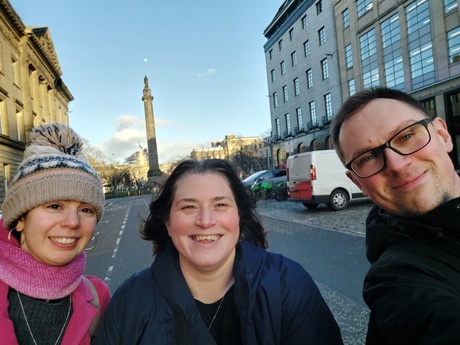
(204, 60)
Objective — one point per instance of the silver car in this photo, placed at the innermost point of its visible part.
(275, 176)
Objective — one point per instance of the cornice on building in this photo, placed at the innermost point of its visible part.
(7, 141)
(41, 39)
(278, 16)
(63, 90)
(288, 13)
(11, 17)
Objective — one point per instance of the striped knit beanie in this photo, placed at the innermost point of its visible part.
(54, 168)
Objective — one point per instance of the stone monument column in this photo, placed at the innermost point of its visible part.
(154, 168)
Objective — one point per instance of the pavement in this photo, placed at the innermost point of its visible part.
(351, 220)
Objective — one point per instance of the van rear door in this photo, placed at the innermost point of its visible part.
(299, 176)
(331, 173)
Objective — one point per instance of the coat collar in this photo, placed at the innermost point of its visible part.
(383, 229)
(77, 329)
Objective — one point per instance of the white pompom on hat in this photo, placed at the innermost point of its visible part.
(54, 168)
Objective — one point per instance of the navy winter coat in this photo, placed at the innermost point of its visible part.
(276, 299)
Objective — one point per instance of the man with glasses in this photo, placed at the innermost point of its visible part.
(399, 158)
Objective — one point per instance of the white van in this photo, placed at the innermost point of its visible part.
(319, 177)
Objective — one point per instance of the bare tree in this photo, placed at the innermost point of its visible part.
(116, 175)
(245, 159)
(94, 155)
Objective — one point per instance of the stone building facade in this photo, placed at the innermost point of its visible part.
(31, 89)
(230, 146)
(247, 154)
(303, 77)
(410, 45)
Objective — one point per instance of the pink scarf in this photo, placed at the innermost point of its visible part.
(22, 272)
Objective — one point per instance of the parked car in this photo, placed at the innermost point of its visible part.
(274, 176)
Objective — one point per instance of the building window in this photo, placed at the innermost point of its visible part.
(280, 44)
(349, 56)
(390, 32)
(422, 65)
(325, 69)
(288, 123)
(450, 5)
(453, 40)
(21, 128)
(421, 59)
(392, 52)
(285, 94)
(298, 112)
(6, 176)
(16, 71)
(3, 118)
(270, 53)
(312, 111)
(417, 16)
(278, 127)
(304, 21)
(275, 100)
(296, 87)
(1, 57)
(369, 63)
(319, 7)
(351, 87)
(430, 106)
(283, 67)
(322, 36)
(306, 48)
(291, 34)
(309, 78)
(346, 18)
(363, 7)
(294, 59)
(273, 74)
(328, 105)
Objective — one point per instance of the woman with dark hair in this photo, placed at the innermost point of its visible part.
(212, 281)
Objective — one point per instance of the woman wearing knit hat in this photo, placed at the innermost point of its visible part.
(50, 212)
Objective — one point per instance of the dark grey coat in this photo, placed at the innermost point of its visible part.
(413, 285)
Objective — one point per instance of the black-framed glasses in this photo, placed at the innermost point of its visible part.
(407, 141)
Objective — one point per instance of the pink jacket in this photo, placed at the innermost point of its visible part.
(77, 331)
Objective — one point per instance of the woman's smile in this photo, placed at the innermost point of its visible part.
(206, 238)
(63, 240)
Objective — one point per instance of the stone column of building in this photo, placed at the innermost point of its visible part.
(154, 168)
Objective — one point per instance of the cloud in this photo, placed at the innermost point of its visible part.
(130, 136)
(128, 121)
(208, 72)
(162, 123)
(171, 151)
